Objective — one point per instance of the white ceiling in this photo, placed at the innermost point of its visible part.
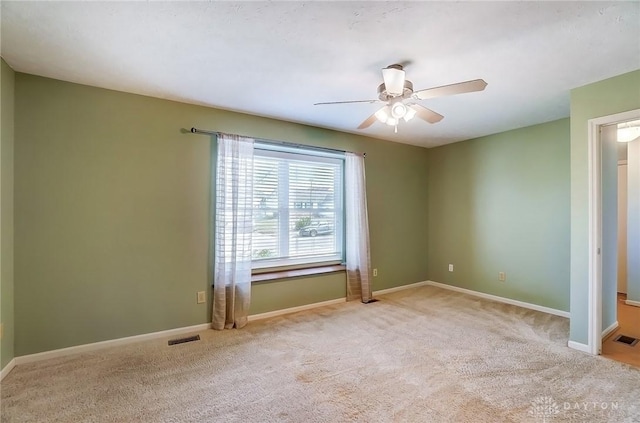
(276, 59)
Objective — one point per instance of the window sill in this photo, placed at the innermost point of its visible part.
(286, 274)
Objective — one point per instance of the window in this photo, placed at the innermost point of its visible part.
(297, 207)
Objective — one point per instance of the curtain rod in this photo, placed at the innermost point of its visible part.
(288, 144)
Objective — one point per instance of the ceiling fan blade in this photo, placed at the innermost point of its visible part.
(368, 122)
(453, 89)
(347, 102)
(426, 114)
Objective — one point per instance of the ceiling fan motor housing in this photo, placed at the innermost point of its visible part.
(384, 96)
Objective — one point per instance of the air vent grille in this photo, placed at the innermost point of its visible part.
(183, 340)
(626, 340)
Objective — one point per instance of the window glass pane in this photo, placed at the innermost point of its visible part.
(297, 209)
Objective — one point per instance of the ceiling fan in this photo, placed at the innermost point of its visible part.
(398, 93)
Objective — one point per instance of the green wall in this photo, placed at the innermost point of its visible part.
(7, 81)
(500, 203)
(112, 204)
(611, 96)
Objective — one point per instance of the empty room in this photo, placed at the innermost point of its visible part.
(320, 211)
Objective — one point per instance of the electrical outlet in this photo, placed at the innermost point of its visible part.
(201, 297)
(375, 272)
(502, 276)
(451, 268)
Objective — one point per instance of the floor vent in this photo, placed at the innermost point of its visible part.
(183, 340)
(626, 340)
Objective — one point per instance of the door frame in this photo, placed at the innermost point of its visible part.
(595, 223)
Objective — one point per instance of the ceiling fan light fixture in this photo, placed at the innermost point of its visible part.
(392, 121)
(393, 80)
(398, 110)
(382, 114)
(409, 115)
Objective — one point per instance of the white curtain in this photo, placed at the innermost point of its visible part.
(357, 228)
(233, 227)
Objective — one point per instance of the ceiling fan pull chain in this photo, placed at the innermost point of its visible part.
(396, 129)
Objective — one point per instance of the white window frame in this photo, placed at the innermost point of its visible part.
(265, 149)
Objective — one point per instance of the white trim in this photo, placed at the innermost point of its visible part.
(30, 358)
(501, 299)
(578, 346)
(400, 288)
(595, 228)
(632, 303)
(610, 329)
(594, 322)
(290, 310)
(7, 369)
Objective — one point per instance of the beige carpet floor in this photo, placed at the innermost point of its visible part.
(419, 355)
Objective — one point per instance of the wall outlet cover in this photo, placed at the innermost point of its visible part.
(201, 297)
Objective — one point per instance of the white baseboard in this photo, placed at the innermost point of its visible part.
(290, 310)
(399, 288)
(269, 314)
(502, 299)
(106, 344)
(632, 303)
(578, 346)
(7, 369)
(610, 329)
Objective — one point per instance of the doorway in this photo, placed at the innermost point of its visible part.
(603, 230)
(626, 326)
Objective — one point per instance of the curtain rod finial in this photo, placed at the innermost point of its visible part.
(193, 130)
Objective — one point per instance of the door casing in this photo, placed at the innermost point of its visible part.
(595, 223)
